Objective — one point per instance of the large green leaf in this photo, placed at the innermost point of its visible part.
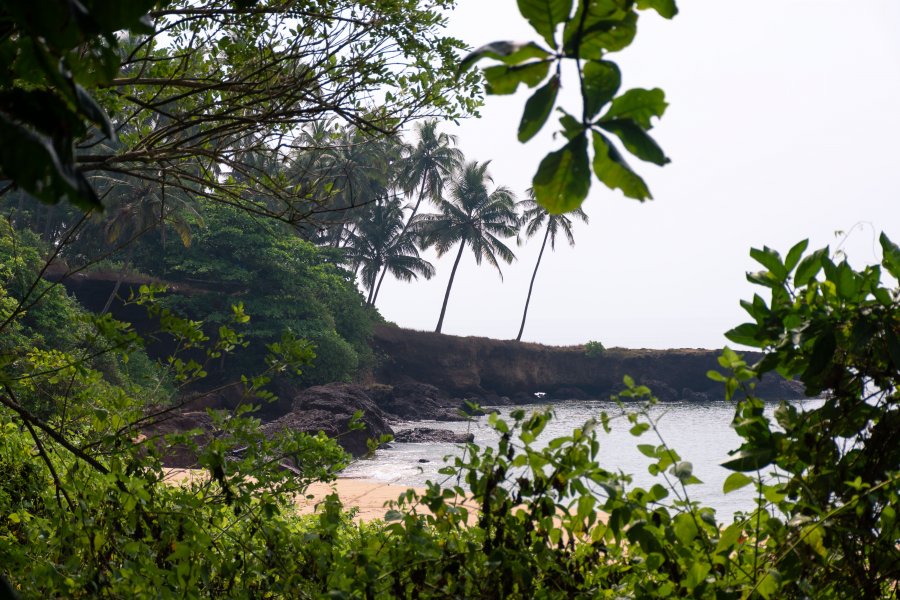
(771, 260)
(31, 160)
(638, 104)
(636, 140)
(666, 8)
(735, 481)
(563, 178)
(745, 335)
(93, 112)
(503, 79)
(750, 460)
(605, 27)
(614, 172)
(809, 267)
(794, 255)
(113, 15)
(538, 109)
(510, 53)
(545, 16)
(601, 82)
(570, 125)
(891, 255)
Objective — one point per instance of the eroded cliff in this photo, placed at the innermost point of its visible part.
(484, 367)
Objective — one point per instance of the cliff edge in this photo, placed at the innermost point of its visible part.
(484, 367)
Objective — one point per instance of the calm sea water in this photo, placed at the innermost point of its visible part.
(700, 432)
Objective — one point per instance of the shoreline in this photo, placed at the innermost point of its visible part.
(367, 496)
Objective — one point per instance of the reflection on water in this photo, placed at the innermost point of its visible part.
(700, 432)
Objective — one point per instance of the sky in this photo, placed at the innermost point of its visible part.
(783, 124)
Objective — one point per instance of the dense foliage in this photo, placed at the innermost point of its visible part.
(285, 283)
(585, 37)
(524, 519)
(199, 119)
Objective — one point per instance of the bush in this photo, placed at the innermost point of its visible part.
(593, 349)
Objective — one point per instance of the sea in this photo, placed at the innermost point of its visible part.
(700, 432)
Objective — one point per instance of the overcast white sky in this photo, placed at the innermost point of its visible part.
(783, 124)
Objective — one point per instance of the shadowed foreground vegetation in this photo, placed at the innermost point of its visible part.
(237, 147)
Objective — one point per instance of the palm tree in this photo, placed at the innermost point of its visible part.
(471, 217)
(380, 244)
(533, 217)
(140, 207)
(356, 170)
(429, 164)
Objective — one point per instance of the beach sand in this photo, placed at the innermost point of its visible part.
(368, 497)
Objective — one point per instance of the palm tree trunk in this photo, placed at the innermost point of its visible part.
(116, 287)
(369, 297)
(380, 279)
(531, 285)
(414, 211)
(462, 246)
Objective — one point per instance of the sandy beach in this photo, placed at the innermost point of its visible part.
(368, 497)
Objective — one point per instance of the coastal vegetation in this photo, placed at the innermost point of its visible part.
(265, 138)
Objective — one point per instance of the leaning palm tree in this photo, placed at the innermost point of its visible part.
(428, 164)
(471, 217)
(534, 216)
(380, 244)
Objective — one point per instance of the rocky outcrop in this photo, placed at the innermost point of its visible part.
(423, 435)
(330, 408)
(466, 366)
(413, 401)
(180, 456)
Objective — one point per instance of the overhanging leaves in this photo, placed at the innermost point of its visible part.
(601, 82)
(545, 16)
(750, 460)
(638, 104)
(666, 8)
(636, 140)
(538, 109)
(563, 178)
(604, 28)
(610, 168)
(510, 53)
(504, 79)
(33, 163)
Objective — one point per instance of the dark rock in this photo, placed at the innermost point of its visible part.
(776, 387)
(420, 435)
(179, 456)
(522, 398)
(412, 401)
(663, 391)
(330, 408)
(689, 395)
(568, 393)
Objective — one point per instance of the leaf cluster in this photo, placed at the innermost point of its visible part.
(585, 33)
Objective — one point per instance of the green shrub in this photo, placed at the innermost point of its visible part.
(593, 349)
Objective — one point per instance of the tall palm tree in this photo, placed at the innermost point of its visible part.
(534, 217)
(380, 244)
(473, 217)
(428, 164)
(356, 170)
